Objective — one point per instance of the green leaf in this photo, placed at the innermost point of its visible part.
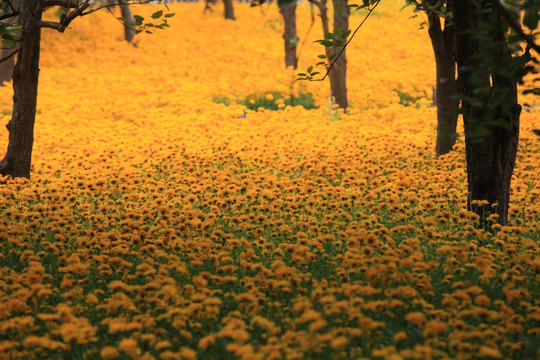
(325, 43)
(309, 69)
(301, 74)
(315, 73)
(330, 35)
(169, 15)
(138, 19)
(536, 131)
(531, 17)
(157, 14)
(346, 34)
(321, 56)
(148, 31)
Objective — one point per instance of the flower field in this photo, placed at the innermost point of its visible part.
(164, 220)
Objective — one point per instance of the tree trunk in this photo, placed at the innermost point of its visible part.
(338, 74)
(6, 67)
(489, 97)
(129, 22)
(446, 95)
(288, 10)
(229, 9)
(25, 85)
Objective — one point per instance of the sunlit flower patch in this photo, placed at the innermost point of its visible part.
(159, 224)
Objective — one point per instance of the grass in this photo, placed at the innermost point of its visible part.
(270, 101)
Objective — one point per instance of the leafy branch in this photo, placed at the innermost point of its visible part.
(336, 39)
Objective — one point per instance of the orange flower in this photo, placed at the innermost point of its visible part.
(109, 352)
(416, 317)
(489, 352)
(130, 347)
(339, 342)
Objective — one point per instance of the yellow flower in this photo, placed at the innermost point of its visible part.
(187, 353)
(416, 317)
(399, 336)
(109, 352)
(489, 352)
(339, 342)
(482, 300)
(130, 347)
(69, 332)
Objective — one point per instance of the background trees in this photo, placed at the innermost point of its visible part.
(442, 33)
(229, 9)
(17, 160)
(287, 8)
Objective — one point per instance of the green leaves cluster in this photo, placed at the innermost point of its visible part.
(531, 11)
(331, 39)
(6, 32)
(366, 4)
(335, 40)
(142, 25)
(309, 74)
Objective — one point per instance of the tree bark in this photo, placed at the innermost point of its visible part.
(491, 159)
(129, 22)
(229, 9)
(18, 158)
(288, 10)
(338, 74)
(447, 89)
(6, 67)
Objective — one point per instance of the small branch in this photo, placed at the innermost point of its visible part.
(121, 22)
(65, 20)
(117, 4)
(529, 39)
(51, 25)
(75, 13)
(63, 3)
(9, 4)
(347, 43)
(10, 15)
(10, 55)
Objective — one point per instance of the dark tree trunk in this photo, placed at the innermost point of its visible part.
(338, 74)
(25, 84)
(207, 5)
(489, 102)
(447, 90)
(288, 10)
(129, 22)
(6, 67)
(229, 9)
